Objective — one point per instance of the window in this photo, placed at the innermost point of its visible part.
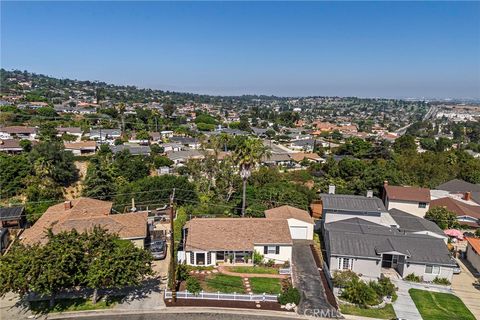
(422, 205)
(345, 263)
(432, 269)
(271, 250)
(209, 258)
(192, 259)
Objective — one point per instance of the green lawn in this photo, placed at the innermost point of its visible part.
(224, 283)
(440, 306)
(256, 269)
(266, 285)
(386, 312)
(78, 304)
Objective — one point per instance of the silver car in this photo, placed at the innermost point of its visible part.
(158, 248)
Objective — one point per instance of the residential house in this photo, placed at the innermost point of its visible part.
(473, 252)
(171, 147)
(135, 140)
(306, 145)
(18, 132)
(460, 187)
(412, 224)
(224, 240)
(299, 221)
(410, 199)
(310, 157)
(467, 211)
(13, 217)
(277, 159)
(82, 215)
(134, 149)
(181, 157)
(370, 250)
(108, 135)
(166, 134)
(74, 131)
(10, 146)
(192, 143)
(81, 148)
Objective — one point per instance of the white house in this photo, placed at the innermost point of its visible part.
(18, 132)
(413, 200)
(234, 240)
(299, 221)
(74, 131)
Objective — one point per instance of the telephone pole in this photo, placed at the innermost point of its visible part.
(173, 263)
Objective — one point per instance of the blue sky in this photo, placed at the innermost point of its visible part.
(401, 49)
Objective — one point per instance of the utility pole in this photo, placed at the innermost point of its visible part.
(173, 263)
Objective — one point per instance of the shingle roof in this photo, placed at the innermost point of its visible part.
(134, 149)
(408, 193)
(410, 223)
(80, 145)
(84, 214)
(186, 154)
(457, 185)
(460, 208)
(365, 241)
(343, 202)
(9, 144)
(11, 213)
(288, 212)
(18, 129)
(235, 233)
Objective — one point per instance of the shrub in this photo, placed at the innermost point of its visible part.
(385, 287)
(182, 272)
(477, 233)
(414, 278)
(360, 293)
(257, 258)
(286, 264)
(193, 285)
(291, 295)
(442, 281)
(341, 278)
(270, 263)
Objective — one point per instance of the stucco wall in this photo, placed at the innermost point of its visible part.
(419, 270)
(407, 206)
(299, 223)
(473, 257)
(285, 254)
(366, 267)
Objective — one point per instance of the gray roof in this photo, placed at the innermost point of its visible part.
(105, 132)
(352, 203)
(134, 149)
(358, 238)
(179, 155)
(184, 140)
(410, 223)
(303, 142)
(457, 185)
(11, 213)
(277, 157)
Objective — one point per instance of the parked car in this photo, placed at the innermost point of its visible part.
(158, 248)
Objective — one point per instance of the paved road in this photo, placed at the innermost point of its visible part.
(462, 285)
(306, 278)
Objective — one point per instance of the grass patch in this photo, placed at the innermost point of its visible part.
(266, 285)
(386, 312)
(255, 269)
(440, 306)
(77, 304)
(224, 283)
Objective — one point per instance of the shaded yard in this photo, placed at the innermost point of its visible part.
(77, 304)
(440, 306)
(386, 312)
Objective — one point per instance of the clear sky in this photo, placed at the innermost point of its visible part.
(374, 49)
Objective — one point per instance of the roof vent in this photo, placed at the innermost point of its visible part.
(331, 189)
(68, 205)
(369, 193)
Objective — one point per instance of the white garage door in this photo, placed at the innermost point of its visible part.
(298, 232)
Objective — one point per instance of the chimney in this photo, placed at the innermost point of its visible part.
(331, 189)
(68, 205)
(369, 193)
(133, 205)
(467, 196)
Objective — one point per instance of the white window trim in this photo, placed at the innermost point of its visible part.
(345, 261)
(271, 251)
(433, 269)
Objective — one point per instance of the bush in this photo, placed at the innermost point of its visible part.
(193, 285)
(291, 295)
(385, 287)
(257, 258)
(442, 281)
(182, 272)
(270, 263)
(414, 278)
(359, 293)
(341, 278)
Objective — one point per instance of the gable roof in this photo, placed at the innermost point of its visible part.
(18, 130)
(232, 234)
(408, 193)
(343, 202)
(80, 145)
(288, 212)
(11, 213)
(299, 156)
(475, 243)
(410, 223)
(457, 185)
(83, 215)
(460, 208)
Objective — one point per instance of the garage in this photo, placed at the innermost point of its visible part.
(298, 232)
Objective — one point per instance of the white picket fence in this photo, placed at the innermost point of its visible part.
(222, 296)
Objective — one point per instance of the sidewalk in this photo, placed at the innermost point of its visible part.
(404, 306)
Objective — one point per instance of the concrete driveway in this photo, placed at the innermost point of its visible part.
(306, 278)
(462, 285)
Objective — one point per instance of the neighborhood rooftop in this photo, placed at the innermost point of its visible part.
(352, 203)
(408, 193)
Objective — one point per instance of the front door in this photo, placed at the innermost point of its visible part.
(200, 259)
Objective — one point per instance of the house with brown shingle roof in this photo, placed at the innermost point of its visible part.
(81, 147)
(413, 200)
(83, 214)
(467, 213)
(18, 132)
(299, 221)
(208, 241)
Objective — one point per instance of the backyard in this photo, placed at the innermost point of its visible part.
(440, 306)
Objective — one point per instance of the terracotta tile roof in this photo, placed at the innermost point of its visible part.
(408, 193)
(84, 214)
(80, 145)
(287, 212)
(475, 243)
(459, 207)
(235, 233)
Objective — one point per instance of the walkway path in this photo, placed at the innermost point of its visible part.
(404, 306)
(224, 270)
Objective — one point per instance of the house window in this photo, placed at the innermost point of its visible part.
(432, 269)
(192, 258)
(345, 263)
(209, 258)
(271, 250)
(422, 205)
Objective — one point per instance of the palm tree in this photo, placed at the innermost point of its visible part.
(247, 154)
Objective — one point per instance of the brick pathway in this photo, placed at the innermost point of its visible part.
(224, 270)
